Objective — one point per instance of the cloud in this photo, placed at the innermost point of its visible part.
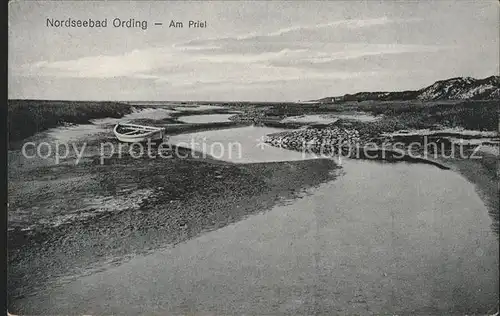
(357, 51)
(238, 60)
(253, 58)
(232, 75)
(144, 63)
(347, 24)
(148, 63)
(342, 23)
(101, 66)
(317, 37)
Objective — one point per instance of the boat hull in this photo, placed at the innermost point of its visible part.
(154, 135)
(138, 139)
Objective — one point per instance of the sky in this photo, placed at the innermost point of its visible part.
(249, 51)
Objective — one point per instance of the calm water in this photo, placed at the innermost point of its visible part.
(330, 118)
(200, 108)
(207, 118)
(364, 117)
(239, 145)
(322, 119)
(382, 238)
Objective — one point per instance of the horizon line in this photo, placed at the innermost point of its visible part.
(250, 101)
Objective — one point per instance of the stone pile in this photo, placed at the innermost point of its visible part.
(332, 140)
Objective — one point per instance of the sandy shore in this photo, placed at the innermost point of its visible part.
(483, 173)
(151, 203)
(89, 217)
(352, 246)
(479, 165)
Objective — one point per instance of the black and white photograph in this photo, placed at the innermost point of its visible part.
(253, 157)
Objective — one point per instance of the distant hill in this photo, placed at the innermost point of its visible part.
(450, 89)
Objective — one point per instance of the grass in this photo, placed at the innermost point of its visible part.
(191, 195)
(474, 115)
(27, 117)
(407, 115)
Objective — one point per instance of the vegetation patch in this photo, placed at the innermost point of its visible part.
(27, 117)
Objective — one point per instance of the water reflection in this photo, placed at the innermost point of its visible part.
(206, 118)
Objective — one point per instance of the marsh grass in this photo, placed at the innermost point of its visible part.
(27, 117)
(394, 115)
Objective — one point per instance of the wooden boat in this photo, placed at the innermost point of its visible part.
(132, 133)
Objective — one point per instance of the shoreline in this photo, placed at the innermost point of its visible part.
(484, 177)
(174, 209)
(105, 274)
(483, 173)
